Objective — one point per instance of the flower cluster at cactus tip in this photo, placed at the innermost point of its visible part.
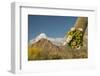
(75, 38)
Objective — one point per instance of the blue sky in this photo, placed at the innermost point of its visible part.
(52, 26)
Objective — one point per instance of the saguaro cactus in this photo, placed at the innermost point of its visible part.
(81, 23)
(74, 37)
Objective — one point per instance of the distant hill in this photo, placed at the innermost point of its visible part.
(55, 41)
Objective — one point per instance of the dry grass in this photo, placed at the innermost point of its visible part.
(46, 54)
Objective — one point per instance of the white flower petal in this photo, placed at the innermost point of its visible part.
(69, 38)
(64, 43)
(80, 29)
(78, 47)
(73, 28)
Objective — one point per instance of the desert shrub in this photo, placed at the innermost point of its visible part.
(33, 53)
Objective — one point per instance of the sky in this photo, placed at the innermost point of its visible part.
(52, 26)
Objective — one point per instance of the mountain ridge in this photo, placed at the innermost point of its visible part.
(55, 41)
